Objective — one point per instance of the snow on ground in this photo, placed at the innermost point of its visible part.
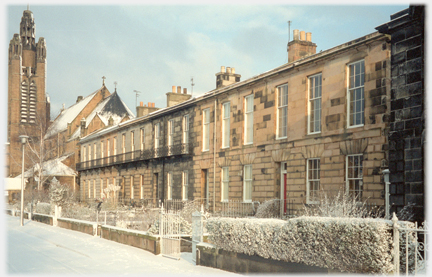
(37, 248)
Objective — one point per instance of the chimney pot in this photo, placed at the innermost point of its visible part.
(185, 91)
(141, 103)
(149, 104)
(309, 36)
(296, 34)
(228, 70)
(302, 35)
(233, 70)
(178, 89)
(223, 69)
(173, 89)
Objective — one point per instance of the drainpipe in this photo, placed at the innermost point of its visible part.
(214, 157)
(386, 173)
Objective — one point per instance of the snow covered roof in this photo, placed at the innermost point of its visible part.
(113, 107)
(54, 167)
(68, 115)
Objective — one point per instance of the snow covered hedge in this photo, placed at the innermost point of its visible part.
(354, 245)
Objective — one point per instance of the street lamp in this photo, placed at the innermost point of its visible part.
(24, 139)
(386, 173)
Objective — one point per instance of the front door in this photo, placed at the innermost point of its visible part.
(205, 186)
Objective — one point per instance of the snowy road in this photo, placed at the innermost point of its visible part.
(37, 248)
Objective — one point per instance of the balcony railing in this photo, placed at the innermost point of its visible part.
(138, 155)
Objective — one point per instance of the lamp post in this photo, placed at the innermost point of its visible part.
(386, 173)
(24, 139)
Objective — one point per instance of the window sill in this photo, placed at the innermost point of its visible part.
(355, 126)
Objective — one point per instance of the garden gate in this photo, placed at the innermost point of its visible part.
(169, 230)
(411, 247)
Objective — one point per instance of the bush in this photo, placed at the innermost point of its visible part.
(352, 245)
(342, 205)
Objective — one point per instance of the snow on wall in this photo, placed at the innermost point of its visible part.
(354, 245)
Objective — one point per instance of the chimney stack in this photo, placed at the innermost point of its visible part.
(226, 78)
(176, 96)
(301, 46)
(143, 110)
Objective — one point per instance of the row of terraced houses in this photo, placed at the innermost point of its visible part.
(315, 125)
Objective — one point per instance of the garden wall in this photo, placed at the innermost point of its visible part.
(133, 238)
(82, 226)
(211, 256)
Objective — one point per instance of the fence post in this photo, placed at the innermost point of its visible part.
(161, 226)
(396, 244)
(197, 231)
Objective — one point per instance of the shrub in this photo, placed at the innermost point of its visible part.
(341, 205)
(352, 245)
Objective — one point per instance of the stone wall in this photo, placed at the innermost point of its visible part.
(211, 256)
(407, 121)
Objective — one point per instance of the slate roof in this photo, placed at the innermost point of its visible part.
(112, 106)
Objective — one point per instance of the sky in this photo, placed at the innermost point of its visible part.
(153, 46)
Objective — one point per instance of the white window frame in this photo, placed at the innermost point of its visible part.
(206, 129)
(169, 185)
(185, 137)
(226, 110)
(115, 146)
(94, 188)
(123, 143)
(142, 186)
(157, 135)
(313, 179)
(89, 188)
(314, 95)
(282, 108)
(132, 193)
(358, 189)
(94, 151)
(132, 141)
(225, 184)
(248, 119)
(102, 149)
(89, 152)
(142, 138)
(247, 183)
(101, 187)
(84, 148)
(170, 132)
(108, 148)
(185, 184)
(356, 86)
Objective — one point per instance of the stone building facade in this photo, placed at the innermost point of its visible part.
(407, 121)
(316, 125)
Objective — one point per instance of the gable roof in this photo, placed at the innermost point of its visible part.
(54, 167)
(112, 106)
(68, 115)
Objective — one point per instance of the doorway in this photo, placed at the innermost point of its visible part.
(205, 187)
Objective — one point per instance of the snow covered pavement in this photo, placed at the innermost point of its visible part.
(37, 248)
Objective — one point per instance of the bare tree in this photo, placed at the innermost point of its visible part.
(41, 147)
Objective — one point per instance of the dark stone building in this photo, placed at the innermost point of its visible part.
(407, 120)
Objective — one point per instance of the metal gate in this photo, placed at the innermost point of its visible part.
(411, 247)
(169, 230)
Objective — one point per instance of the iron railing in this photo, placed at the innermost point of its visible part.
(138, 155)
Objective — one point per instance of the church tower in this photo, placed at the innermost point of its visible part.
(28, 105)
